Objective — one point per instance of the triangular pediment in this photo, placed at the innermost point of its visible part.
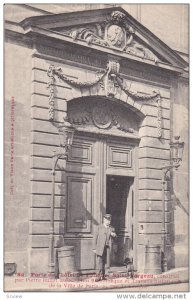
(111, 28)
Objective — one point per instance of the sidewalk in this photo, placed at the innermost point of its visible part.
(87, 282)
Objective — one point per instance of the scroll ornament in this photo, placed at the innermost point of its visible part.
(110, 80)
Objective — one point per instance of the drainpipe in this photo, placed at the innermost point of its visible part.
(51, 264)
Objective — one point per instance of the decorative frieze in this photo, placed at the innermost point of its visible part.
(111, 82)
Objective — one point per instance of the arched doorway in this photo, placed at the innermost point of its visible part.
(101, 178)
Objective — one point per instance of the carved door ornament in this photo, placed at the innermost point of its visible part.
(101, 116)
(111, 81)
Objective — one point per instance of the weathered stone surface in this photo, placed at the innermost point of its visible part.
(46, 163)
(154, 153)
(150, 173)
(16, 241)
(42, 150)
(152, 122)
(152, 163)
(153, 132)
(39, 261)
(42, 241)
(43, 214)
(68, 70)
(140, 257)
(18, 257)
(44, 227)
(153, 228)
(40, 200)
(43, 114)
(46, 175)
(145, 88)
(154, 143)
(41, 163)
(38, 187)
(150, 184)
(151, 239)
(152, 195)
(60, 92)
(181, 256)
(153, 216)
(153, 111)
(85, 92)
(43, 101)
(46, 138)
(155, 205)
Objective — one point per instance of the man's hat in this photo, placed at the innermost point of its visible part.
(108, 217)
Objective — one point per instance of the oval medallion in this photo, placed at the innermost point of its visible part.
(116, 36)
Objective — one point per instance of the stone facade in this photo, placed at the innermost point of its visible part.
(68, 75)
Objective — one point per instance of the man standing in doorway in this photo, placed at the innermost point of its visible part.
(102, 238)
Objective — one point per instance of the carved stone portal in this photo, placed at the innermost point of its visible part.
(109, 80)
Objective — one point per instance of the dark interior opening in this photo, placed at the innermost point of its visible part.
(117, 195)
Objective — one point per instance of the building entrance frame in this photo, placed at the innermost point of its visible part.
(104, 156)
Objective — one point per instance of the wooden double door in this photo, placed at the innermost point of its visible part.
(100, 178)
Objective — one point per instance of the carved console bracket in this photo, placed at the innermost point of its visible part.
(109, 80)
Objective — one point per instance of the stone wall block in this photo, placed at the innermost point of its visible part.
(37, 227)
(38, 187)
(43, 214)
(43, 200)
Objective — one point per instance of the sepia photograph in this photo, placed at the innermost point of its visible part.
(96, 147)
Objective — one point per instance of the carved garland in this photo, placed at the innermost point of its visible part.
(112, 81)
(141, 97)
(50, 86)
(78, 84)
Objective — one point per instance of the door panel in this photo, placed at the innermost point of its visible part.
(81, 152)
(89, 195)
(79, 204)
(119, 156)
